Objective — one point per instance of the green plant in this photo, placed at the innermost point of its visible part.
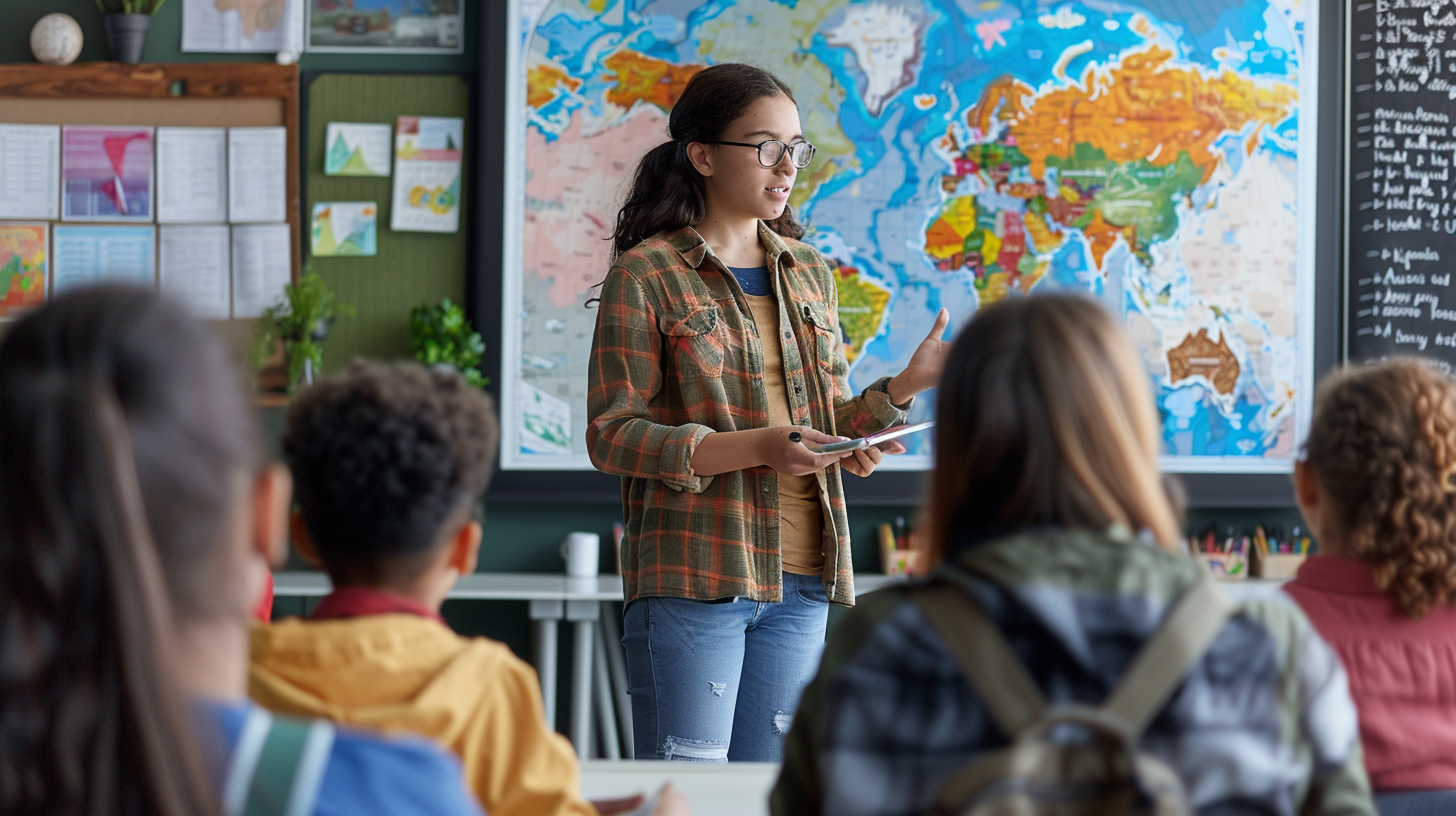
(300, 320)
(442, 336)
(129, 6)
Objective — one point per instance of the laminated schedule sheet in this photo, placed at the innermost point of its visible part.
(91, 254)
(192, 175)
(30, 171)
(257, 175)
(193, 267)
(262, 266)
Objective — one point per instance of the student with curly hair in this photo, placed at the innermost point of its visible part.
(389, 462)
(1376, 488)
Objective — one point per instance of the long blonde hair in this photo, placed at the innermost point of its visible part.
(1044, 419)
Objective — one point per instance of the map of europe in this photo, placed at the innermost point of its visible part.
(1146, 152)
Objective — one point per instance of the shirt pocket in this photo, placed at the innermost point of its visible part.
(695, 342)
(825, 334)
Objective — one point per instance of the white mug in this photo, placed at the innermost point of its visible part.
(581, 553)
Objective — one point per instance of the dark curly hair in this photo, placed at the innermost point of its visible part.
(1383, 443)
(383, 458)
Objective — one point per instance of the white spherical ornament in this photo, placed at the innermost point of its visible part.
(56, 39)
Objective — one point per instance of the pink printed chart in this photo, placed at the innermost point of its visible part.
(106, 174)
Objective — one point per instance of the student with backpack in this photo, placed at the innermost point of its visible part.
(1063, 657)
(138, 521)
(1376, 490)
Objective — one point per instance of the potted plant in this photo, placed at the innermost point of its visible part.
(441, 336)
(126, 23)
(300, 321)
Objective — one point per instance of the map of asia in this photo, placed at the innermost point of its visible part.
(1149, 153)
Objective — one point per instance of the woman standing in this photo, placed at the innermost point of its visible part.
(715, 364)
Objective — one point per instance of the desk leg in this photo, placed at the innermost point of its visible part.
(606, 716)
(584, 614)
(544, 617)
(617, 666)
(581, 687)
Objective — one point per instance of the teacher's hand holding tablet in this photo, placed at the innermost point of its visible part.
(787, 449)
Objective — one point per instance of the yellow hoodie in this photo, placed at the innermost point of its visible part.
(403, 673)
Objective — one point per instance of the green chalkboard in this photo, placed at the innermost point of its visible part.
(411, 267)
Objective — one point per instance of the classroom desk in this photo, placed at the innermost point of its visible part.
(552, 599)
(735, 789)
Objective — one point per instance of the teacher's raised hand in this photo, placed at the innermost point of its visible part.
(923, 370)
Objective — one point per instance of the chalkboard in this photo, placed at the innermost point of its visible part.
(1400, 191)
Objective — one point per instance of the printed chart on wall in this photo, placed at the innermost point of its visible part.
(1148, 152)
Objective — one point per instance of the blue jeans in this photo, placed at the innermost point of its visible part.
(714, 681)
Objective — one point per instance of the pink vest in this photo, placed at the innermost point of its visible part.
(1402, 672)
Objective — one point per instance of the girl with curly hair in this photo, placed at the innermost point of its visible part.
(1376, 488)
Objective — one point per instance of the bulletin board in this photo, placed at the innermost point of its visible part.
(410, 268)
(162, 95)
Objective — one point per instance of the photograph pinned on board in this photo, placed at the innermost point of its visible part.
(106, 174)
(427, 161)
(387, 26)
(24, 261)
(345, 228)
(358, 149)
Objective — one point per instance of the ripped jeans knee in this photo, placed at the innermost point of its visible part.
(680, 749)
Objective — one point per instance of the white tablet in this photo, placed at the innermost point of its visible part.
(876, 438)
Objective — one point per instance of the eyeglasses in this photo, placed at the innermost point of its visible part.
(771, 152)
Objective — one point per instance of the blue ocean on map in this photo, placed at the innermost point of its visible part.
(968, 151)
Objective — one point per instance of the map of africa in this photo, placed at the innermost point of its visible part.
(968, 151)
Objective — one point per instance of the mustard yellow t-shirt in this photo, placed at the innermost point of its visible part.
(800, 511)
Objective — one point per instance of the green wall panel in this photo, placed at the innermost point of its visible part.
(411, 267)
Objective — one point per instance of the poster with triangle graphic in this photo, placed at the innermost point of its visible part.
(106, 173)
(344, 228)
(358, 149)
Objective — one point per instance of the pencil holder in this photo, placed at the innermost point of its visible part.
(1277, 565)
(1227, 566)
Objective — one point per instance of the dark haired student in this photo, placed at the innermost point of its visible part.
(716, 363)
(138, 521)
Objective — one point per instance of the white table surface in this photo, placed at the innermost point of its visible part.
(735, 789)
(516, 586)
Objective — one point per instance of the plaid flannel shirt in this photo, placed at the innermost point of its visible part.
(675, 357)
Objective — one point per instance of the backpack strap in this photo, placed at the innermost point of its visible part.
(277, 766)
(1163, 662)
(996, 673)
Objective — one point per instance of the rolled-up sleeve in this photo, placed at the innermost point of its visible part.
(624, 375)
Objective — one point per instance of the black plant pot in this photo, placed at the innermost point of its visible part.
(126, 35)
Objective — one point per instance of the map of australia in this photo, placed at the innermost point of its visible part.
(1147, 153)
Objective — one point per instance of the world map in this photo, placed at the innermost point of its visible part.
(968, 151)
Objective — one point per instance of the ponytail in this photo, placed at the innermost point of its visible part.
(90, 717)
(123, 435)
(666, 193)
